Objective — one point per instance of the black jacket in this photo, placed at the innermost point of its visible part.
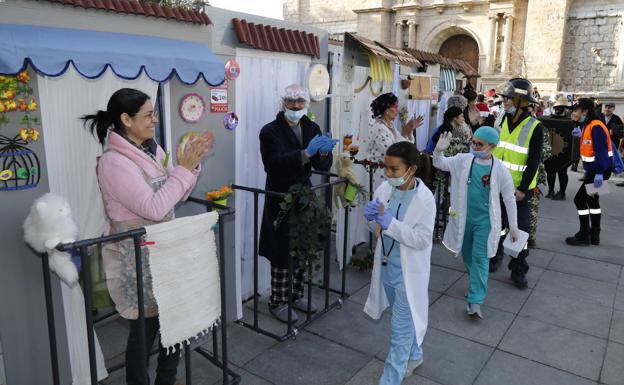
(282, 157)
(535, 150)
(615, 128)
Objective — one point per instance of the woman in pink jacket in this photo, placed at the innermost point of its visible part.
(139, 187)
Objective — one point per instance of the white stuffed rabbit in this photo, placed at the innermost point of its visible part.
(48, 224)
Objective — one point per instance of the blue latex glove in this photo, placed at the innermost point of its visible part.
(598, 179)
(384, 220)
(315, 144)
(577, 132)
(328, 145)
(371, 210)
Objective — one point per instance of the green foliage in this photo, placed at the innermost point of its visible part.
(309, 220)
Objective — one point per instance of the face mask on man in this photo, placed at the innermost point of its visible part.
(511, 110)
(294, 116)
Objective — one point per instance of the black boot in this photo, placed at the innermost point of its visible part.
(495, 263)
(519, 268)
(560, 196)
(594, 234)
(550, 194)
(582, 237)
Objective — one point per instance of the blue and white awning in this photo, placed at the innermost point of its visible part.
(447, 79)
(51, 50)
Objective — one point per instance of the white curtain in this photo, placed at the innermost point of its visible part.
(71, 153)
(417, 108)
(258, 90)
(356, 122)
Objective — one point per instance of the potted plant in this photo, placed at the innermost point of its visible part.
(308, 220)
(220, 196)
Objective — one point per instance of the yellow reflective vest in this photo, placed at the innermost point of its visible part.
(513, 149)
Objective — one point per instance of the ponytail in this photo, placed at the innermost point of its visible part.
(124, 101)
(98, 124)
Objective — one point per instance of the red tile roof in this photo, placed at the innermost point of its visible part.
(140, 8)
(456, 64)
(276, 39)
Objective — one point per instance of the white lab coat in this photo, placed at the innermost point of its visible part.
(415, 237)
(500, 183)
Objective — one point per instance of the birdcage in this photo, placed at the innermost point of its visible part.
(19, 165)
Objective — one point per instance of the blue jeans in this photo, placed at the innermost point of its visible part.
(403, 344)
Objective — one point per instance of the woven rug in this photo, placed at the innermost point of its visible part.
(185, 277)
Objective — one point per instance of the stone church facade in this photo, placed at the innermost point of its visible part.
(561, 45)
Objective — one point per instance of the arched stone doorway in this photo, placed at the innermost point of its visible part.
(462, 47)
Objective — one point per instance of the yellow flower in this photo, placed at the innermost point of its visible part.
(10, 105)
(34, 134)
(32, 106)
(2, 108)
(23, 77)
(23, 133)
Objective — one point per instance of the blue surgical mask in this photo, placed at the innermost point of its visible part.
(398, 182)
(511, 110)
(479, 154)
(294, 116)
(583, 119)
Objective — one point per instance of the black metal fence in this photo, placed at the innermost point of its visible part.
(229, 376)
(292, 330)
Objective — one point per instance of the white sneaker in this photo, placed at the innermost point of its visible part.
(413, 365)
(474, 309)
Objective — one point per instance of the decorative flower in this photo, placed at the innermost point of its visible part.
(222, 193)
(23, 77)
(23, 133)
(32, 105)
(22, 105)
(403, 114)
(10, 105)
(33, 134)
(2, 108)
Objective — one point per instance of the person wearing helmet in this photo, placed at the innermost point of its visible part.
(596, 153)
(520, 150)
(290, 147)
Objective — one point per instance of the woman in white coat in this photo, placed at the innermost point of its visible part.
(404, 210)
(478, 180)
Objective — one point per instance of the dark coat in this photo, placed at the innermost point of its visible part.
(615, 127)
(282, 157)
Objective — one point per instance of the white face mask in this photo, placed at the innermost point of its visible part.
(294, 116)
(400, 181)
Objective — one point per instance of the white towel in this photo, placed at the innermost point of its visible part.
(185, 276)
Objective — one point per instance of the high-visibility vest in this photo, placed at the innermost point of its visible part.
(587, 143)
(513, 149)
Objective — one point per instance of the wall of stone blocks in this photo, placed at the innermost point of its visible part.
(590, 55)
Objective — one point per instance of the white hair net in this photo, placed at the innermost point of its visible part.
(296, 92)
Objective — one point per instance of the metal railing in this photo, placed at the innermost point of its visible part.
(229, 376)
(292, 330)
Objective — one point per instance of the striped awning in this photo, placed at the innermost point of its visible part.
(447, 79)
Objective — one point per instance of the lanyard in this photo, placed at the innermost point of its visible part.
(384, 262)
(486, 178)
